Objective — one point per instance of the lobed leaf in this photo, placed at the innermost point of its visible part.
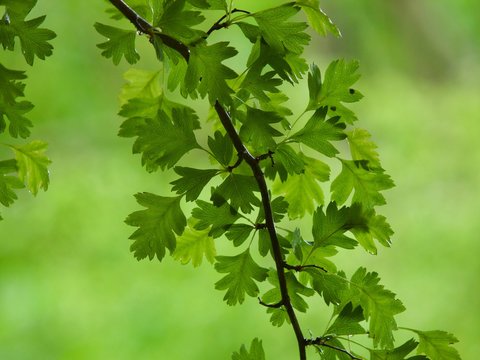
(242, 271)
(256, 352)
(193, 245)
(120, 43)
(157, 225)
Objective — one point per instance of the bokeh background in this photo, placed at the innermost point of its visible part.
(70, 288)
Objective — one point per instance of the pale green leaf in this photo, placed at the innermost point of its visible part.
(193, 245)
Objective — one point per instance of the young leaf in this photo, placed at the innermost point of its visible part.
(192, 181)
(362, 148)
(318, 20)
(256, 352)
(318, 133)
(157, 225)
(120, 43)
(140, 84)
(207, 74)
(302, 191)
(379, 306)
(218, 218)
(366, 183)
(32, 165)
(437, 345)
(193, 245)
(239, 189)
(242, 271)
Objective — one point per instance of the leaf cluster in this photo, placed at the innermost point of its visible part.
(267, 169)
(28, 167)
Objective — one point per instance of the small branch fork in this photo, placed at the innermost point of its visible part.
(145, 27)
(322, 341)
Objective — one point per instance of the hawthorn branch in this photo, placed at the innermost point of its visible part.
(144, 26)
(302, 267)
(270, 223)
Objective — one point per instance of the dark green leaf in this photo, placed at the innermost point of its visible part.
(375, 227)
(256, 352)
(399, 353)
(220, 218)
(19, 124)
(347, 322)
(257, 130)
(7, 185)
(238, 233)
(207, 74)
(242, 271)
(157, 225)
(221, 147)
(11, 87)
(120, 43)
(318, 133)
(329, 286)
(239, 189)
(192, 181)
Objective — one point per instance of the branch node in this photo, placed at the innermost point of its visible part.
(272, 306)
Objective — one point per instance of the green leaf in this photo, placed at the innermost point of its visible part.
(7, 185)
(32, 165)
(285, 162)
(295, 290)
(399, 353)
(329, 286)
(258, 84)
(239, 189)
(318, 20)
(219, 218)
(11, 87)
(365, 183)
(329, 228)
(279, 208)
(375, 227)
(207, 74)
(347, 322)
(163, 141)
(238, 233)
(379, 306)
(221, 147)
(256, 352)
(193, 245)
(140, 84)
(362, 148)
(437, 345)
(18, 10)
(157, 225)
(335, 89)
(318, 133)
(192, 181)
(302, 191)
(178, 22)
(120, 43)
(242, 271)
(257, 130)
(33, 40)
(19, 124)
(279, 33)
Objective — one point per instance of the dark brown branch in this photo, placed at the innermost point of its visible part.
(276, 250)
(302, 267)
(145, 27)
(237, 164)
(322, 341)
(273, 306)
(218, 24)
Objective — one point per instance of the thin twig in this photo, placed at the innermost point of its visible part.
(273, 306)
(302, 267)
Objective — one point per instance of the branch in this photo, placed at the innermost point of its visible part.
(322, 341)
(273, 306)
(145, 27)
(301, 267)
(270, 223)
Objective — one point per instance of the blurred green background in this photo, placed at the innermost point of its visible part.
(69, 287)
